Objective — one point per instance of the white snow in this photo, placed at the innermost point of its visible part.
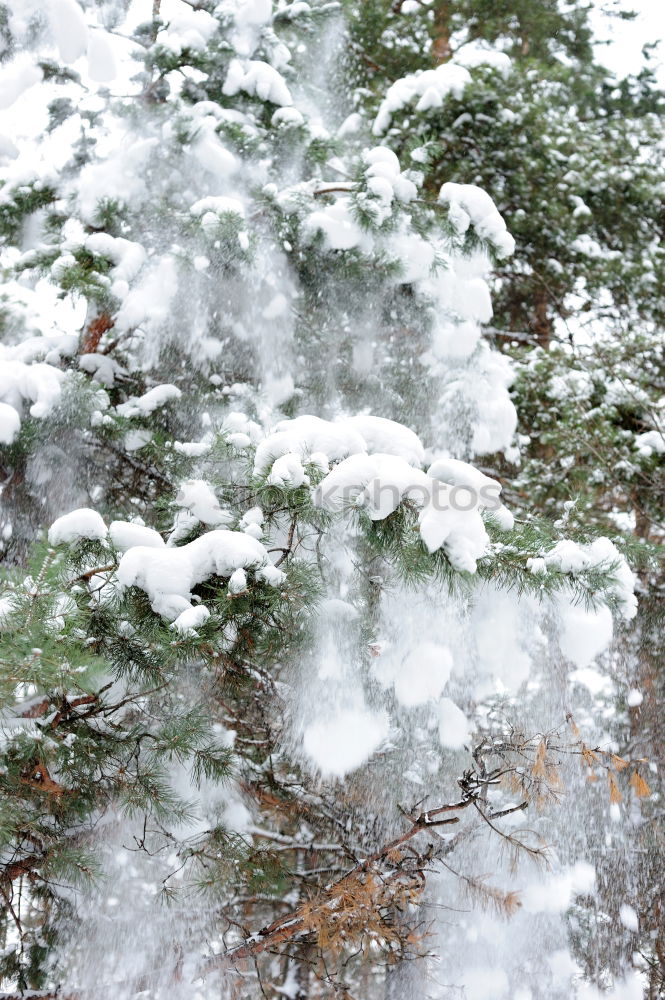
(387, 437)
(10, 424)
(478, 53)
(102, 63)
(168, 575)
(379, 483)
(569, 557)
(584, 635)
(431, 87)
(628, 918)
(650, 443)
(470, 205)
(16, 77)
(152, 400)
(555, 893)
(69, 29)
(126, 534)
(307, 436)
(634, 698)
(257, 78)
(454, 728)
(39, 384)
(189, 620)
(78, 524)
(344, 741)
(423, 674)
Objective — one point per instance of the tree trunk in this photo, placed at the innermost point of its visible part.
(441, 50)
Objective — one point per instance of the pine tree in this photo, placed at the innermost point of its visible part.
(190, 552)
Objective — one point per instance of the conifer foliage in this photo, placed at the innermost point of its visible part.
(265, 495)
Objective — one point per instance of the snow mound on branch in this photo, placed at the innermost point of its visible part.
(431, 87)
(126, 534)
(345, 741)
(310, 438)
(189, 30)
(38, 384)
(338, 226)
(470, 205)
(188, 621)
(478, 54)
(153, 399)
(650, 443)
(168, 575)
(388, 436)
(462, 475)
(119, 177)
(307, 436)
(78, 524)
(258, 79)
(10, 424)
(379, 483)
(569, 557)
(197, 504)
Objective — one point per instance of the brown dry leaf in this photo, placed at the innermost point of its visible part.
(615, 794)
(589, 757)
(618, 762)
(640, 787)
(538, 768)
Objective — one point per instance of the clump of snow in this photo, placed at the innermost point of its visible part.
(345, 741)
(15, 78)
(10, 424)
(628, 918)
(379, 483)
(555, 893)
(430, 87)
(197, 504)
(288, 471)
(69, 29)
(470, 205)
(387, 437)
(189, 620)
(650, 443)
(188, 30)
(480, 54)
(152, 400)
(634, 698)
(39, 384)
(258, 79)
(584, 635)
(569, 557)
(463, 476)
(307, 436)
(338, 226)
(102, 65)
(423, 674)
(126, 534)
(214, 207)
(167, 575)
(454, 728)
(78, 524)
